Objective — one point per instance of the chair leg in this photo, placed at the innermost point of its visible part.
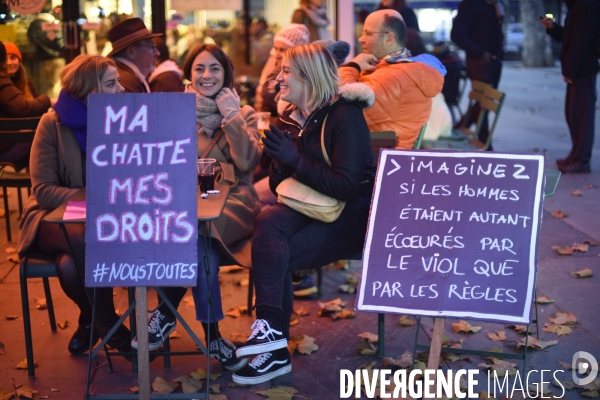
(49, 304)
(20, 197)
(6, 214)
(26, 318)
(250, 292)
(320, 282)
(380, 334)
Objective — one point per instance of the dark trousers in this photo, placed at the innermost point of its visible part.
(285, 240)
(488, 73)
(580, 112)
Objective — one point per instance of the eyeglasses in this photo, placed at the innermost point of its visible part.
(369, 34)
(148, 46)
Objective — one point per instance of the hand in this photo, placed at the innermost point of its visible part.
(280, 146)
(228, 103)
(486, 57)
(365, 61)
(567, 80)
(547, 22)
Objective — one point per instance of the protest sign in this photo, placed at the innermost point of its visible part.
(453, 234)
(141, 201)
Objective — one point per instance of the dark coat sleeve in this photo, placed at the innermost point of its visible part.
(15, 105)
(460, 29)
(580, 47)
(167, 82)
(270, 92)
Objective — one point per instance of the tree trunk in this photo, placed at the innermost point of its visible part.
(537, 51)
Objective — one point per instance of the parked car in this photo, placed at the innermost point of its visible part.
(514, 38)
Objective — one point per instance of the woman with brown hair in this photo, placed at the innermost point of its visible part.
(16, 71)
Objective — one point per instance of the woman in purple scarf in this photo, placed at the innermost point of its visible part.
(57, 166)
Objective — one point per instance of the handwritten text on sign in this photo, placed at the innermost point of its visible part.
(453, 234)
(141, 190)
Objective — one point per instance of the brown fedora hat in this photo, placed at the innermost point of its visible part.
(128, 32)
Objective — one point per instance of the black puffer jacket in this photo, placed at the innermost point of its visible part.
(347, 141)
(578, 38)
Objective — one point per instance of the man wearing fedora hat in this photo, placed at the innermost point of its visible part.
(134, 53)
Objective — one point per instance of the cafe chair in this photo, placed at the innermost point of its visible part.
(35, 266)
(13, 131)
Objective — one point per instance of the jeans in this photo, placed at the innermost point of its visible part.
(285, 240)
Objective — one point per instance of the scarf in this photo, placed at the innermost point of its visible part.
(208, 117)
(318, 17)
(165, 66)
(72, 113)
(396, 56)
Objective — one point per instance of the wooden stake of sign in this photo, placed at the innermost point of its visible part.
(141, 311)
(435, 350)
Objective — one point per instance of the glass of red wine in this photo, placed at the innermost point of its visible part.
(206, 174)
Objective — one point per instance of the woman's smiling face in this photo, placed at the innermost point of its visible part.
(207, 74)
(291, 88)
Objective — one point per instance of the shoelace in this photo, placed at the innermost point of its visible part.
(154, 325)
(258, 326)
(260, 360)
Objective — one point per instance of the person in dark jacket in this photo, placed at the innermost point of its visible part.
(408, 14)
(579, 65)
(14, 104)
(167, 75)
(454, 66)
(477, 29)
(285, 240)
(134, 53)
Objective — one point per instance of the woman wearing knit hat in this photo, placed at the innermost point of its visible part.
(16, 71)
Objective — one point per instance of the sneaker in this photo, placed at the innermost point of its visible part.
(304, 287)
(264, 367)
(262, 339)
(224, 351)
(160, 326)
(575, 167)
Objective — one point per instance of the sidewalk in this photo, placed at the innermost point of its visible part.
(532, 120)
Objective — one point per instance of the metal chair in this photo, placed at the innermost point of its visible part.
(35, 266)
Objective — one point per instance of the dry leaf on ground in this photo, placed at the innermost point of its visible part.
(63, 325)
(537, 391)
(563, 250)
(174, 335)
(499, 335)
(370, 337)
(566, 384)
(518, 328)
(451, 357)
(243, 282)
(406, 320)
(590, 186)
(41, 304)
(563, 319)
(403, 361)
(457, 344)
(14, 258)
(189, 385)
(278, 393)
(536, 343)
(581, 247)
(163, 387)
(200, 374)
(10, 250)
(134, 390)
(294, 321)
(567, 366)
(560, 330)
(501, 367)
(301, 311)
(219, 396)
(464, 326)
(215, 388)
(365, 348)
(584, 273)
(543, 300)
(577, 193)
(12, 317)
(237, 312)
(303, 344)
(25, 391)
(344, 314)
(23, 364)
(559, 214)
(6, 395)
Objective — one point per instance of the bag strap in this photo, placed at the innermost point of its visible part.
(212, 144)
(323, 141)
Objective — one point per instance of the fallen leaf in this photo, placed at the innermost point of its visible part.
(301, 311)
(457, 344)
(1, 348)
(41, 304)
(535, 388)
(294, 321)
(278, 393)
(581, 247)
(63, 325)
(174, 335)
(536, 343)
(591, 393)
(234, 313)
(577, 193)
(451, 357)
(25, 391)
(483, 395)
(345, 288)
(543, 300)
(405, 320)
(14, 258)
(303, 344)
(233, 384)
(563, 318)
(567, 385)
(592, 243)
(563, 250)
(6, 395)
(403, 361)
(23, 364)
(364, 348)
(330, 307)
(464, 326)
(215, 388)
(590, 186)
(560, 330)
(559, 214)
(501, 367)
(219, 396)
(368, 336)
(10, 250)
(499, 335)
(566, 366)
(163, 387)
(134, 390)
(584, 273)
(200, 374)
(518, 328)
(243, 283)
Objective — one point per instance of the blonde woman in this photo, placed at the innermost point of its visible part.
(285, 240)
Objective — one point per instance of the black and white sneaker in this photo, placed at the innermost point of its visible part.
(160, 326)
(262, 339)
(224, 351)
(264, 367)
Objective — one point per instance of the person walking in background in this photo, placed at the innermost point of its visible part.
(167, 75)
(286, 240)
(58, 158)
(230, 135)
(408, 14)
(477, 29)
(579, 66)
(134, 53)
(404, 87)
(313, 15)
